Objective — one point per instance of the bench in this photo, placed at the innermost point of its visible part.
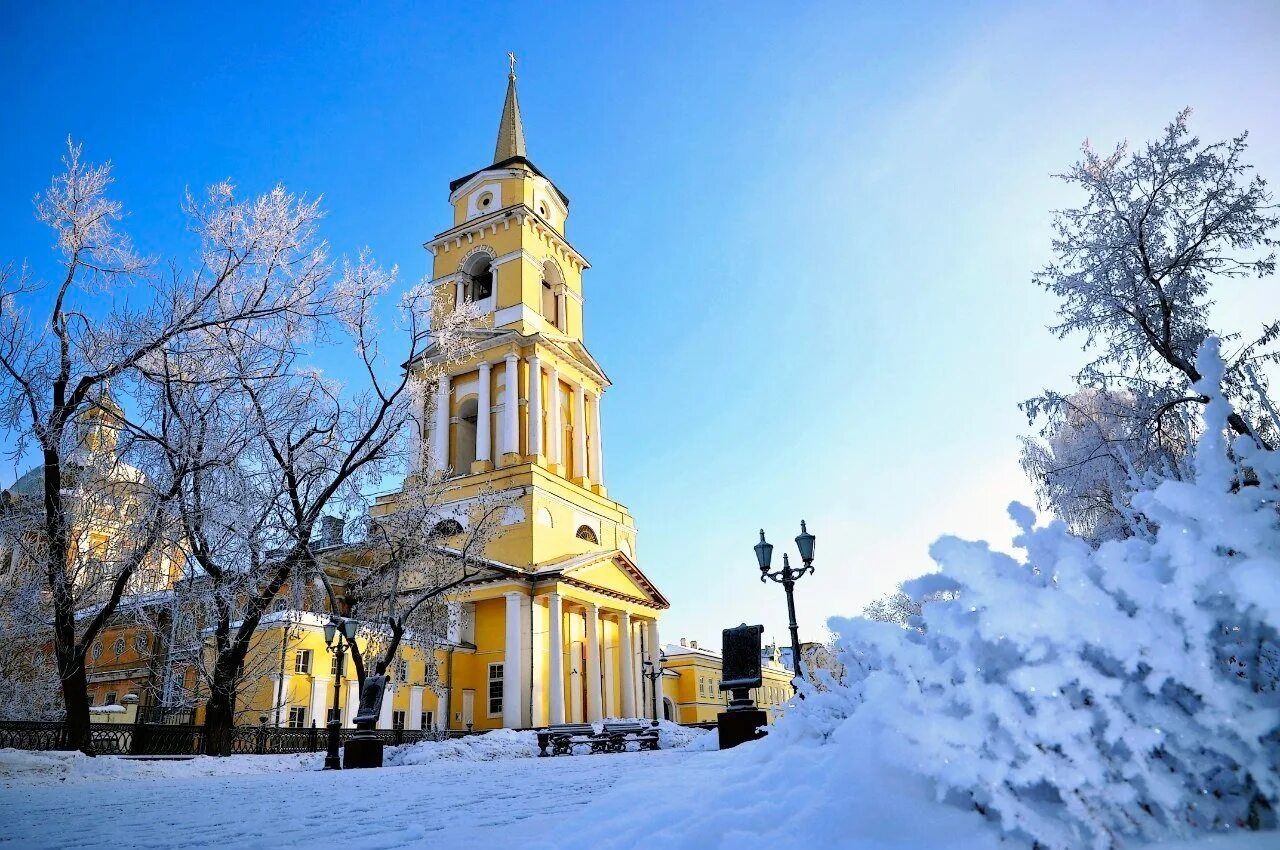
(619, 734)
(562, 738)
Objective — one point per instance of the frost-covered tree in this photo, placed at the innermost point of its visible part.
(64, 342)
(1101, 448)
(1088, 697)
(414, 554)
(279, 446)
(900, 608)
(1135, 269)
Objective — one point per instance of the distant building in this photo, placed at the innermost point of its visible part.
(691, 684)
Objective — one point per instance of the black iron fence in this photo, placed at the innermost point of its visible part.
(170, 739)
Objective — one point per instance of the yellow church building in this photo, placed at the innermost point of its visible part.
(563, 625)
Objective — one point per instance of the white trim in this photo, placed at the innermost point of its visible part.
(481, 176)
(473, 200)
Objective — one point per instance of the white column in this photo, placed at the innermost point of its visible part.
(535, 405)
(388, 702)
(353, 702)
(597, 453)
(414, 718)
(511, 408)
(319, 693)
(580, 433)
(459, 292)
(637, 667)
(555, 428)
(625, 662)
(610, 673)
(440, 433)
(655, 655)
(592, 617)
(484, 414)
(555, 641)
(511, 664)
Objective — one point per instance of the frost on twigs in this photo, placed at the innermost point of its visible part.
(1160, 231)
(1083, 697)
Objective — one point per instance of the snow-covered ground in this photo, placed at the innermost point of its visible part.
(491, 791)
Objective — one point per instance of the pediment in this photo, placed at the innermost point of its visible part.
(616, 574)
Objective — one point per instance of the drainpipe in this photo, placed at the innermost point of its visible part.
(448, 689)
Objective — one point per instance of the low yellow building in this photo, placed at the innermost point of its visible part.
(691, 683)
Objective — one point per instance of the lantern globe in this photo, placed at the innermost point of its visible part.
(764, 553)
(804, 542)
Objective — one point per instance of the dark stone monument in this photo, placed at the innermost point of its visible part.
(364, 749)
(740, 652)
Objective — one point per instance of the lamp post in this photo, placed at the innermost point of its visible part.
(788, 577)
(343, 630)
(653, 672)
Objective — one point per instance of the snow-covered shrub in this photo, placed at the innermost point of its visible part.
(1084, 697)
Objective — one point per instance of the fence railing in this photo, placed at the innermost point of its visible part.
(154, 739)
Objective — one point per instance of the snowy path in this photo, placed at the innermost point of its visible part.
(437, 804)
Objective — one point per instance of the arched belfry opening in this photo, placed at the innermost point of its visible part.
(553, 295)
(479, 272)
(464, 447)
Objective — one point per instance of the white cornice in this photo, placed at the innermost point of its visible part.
(501, 219)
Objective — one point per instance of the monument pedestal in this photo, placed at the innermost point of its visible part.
(738, 727)
(362, 751)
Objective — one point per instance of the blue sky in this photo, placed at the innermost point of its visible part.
(812, 229)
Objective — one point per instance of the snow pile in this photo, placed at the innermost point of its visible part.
(673, 736)
(24, 767)
(1086, 697)
(498, 744)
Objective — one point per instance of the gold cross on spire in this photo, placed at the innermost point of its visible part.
(511, 57)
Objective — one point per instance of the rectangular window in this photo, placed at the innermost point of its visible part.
(702, 686)
(397, 719)
(495, 689)
(333, 665)
(297, 717)
(402, 670)
(428, 721)
(302, 661)
(430, 673)
(332, 715)
(111, 698)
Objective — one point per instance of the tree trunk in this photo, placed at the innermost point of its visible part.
(70, 656)
(219, 711)
(75, 696)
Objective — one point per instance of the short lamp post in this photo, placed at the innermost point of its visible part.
(653, 672)
(788, 577)
(337, 633)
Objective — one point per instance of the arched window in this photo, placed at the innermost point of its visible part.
(464, 447)
(552, 294)
(587, 533)
(446, 528)
(479, 283)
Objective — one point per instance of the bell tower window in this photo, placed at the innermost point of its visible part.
(553, 295)
(464, 448)
(479, 279)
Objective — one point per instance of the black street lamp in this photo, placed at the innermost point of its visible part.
(344, 630)
(653, 672)
(788, 577)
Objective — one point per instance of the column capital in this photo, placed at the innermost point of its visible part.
(516, 594)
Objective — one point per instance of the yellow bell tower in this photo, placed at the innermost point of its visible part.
(522, 413)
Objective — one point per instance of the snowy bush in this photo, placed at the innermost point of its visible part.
(1087, 697)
